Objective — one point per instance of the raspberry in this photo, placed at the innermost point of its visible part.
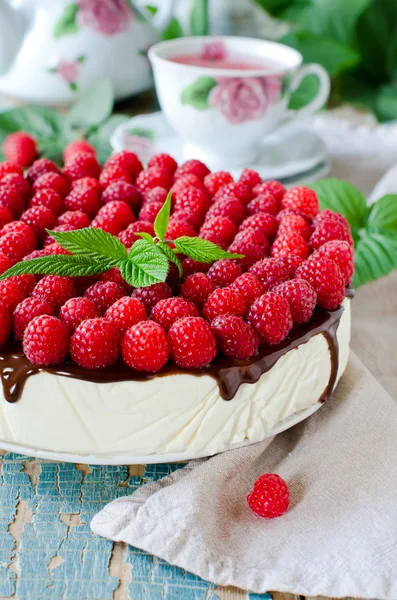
(115, 276)
(11, 294)
(126, 312)
(112, 174)
(114, 217)
(95, 344)
(224, 301)
(290, 243)
(19, 183)
(87, 183)
(219, 230)
(77, 310)
(192, 167)
(227, 207)
(149, 296)
(223, 272)
(21, 228)
(235, 338)
(25, 282)
(149, 211)
(52, 181)
(251, 252)
(341, 253)
(144, 347)
(173, 278)
(193, 219)
(192, 199)
(55, 289)
(214, 181)
(20, 148)
(271, 318)
(177, 228)
(103, 294)
(12, 199)
(301, 297)
(124, 191)
(292, 262)
(54, 247)
(330, 227)
(251, 236)
(156, 194)
(192, 343)
(127, 160)
(128, 237)
(163, 161)
(238, 190)
(269, 497)
(291, 223)
(39, 218)
(6, 168)
(48, 198)
(197, 288)
(303, 199)
(270, 271)
(84, 199)
(27, 310)
(40, 166)
(272, 187)
(327, 214)
(76, 147)
(250, 178)
(186, 182)
(153, 177)
(49, 241)
(263, 222)
(249, 286)
(46, 341)
(5, 324)
(293, 211)
(191, 266)
(326, 279)
(5, 263)
(264, 203)
(15, 246)
(81, 164)
(169, 310)
(76, 218)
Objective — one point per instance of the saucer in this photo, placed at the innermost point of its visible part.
(292, 155)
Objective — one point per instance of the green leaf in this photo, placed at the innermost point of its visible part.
(66, 24)
(171, 256)
(375, 256)
(386, 103)
(173, 30)
(141, 132)
(383, 215)
(202, 250)
(163, 216)
(58, 264)
(306, 92)
(92, 243)
(145, 236)
(196, 94)
(199, 18)
(275, 7)
(94, 106)
(146, 265)
(99, 136)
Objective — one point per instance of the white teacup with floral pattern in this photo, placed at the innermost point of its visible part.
(222, 114)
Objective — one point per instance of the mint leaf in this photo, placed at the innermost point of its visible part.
(94, 244)
(171, 256)
(196, 94)
(146, 265)
(67, 22)
(58, 264)
(375, 256)
(145, 236)
(383, 214)
(202, 250)
(163, 216)
(94, 106)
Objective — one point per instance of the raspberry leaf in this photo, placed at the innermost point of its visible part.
(383, 215)
(146, 264)
(163, 216)
(171, 256)
(92, 243)
(202, 250)
(145, 236)
(375, 256)
(58, 264)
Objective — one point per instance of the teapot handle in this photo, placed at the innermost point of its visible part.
(163, 15)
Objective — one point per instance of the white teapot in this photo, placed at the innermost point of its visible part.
(51, 50)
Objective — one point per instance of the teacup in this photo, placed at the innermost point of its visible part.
(222, 111)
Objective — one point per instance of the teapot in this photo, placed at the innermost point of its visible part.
(51, 50)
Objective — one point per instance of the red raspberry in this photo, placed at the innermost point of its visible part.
(20, 228)
(269, 497)
(340, 252)
(192, 343)
(76, 218)
(126, 312)
(25, 282)
(156, 194)
(54, 247)
(27, 310)
(77, 310)
(270, 271)
(303, 199)
(6, 168)
(295, 224)
(149, 211)
(103, 294)
(193, 219)
(163, 161)
(46, 341)
(227, 207)
(144, 347)
(250, 178)
(118, 213)
(328, 214)
(15, 246)
(95, 344)
(214, 181)
(39, 218)
(290, 243)
(87, 183)
(153, 177)
(81, 164)
(264, 203)
(149, 296)
(126, 192)
(219, 230)
(76, 147)
(192, 199)
(85, 199)
(55, 289)
(19, 183)
(5, 324)
(191, 266)
(50, 241)
(173, 278)
(223, 272)
(263, 222)
(235, 338)
(249, 286)
(192, 167)
(38, 254)
(112, 174)
(5, 263)
(20, 148)
(12, 199)
(254, 237)
(126, 160)
(250, 251)
(292, 262)
(186, 182)
(40, 166)
(272, 187)
(286, 212)
(177, 228)
(11, 294)
(52, 181)
(330, 227)
(271, 318)
(197, 288)
(224, 301)
(115, 276)
(48, 198)
(169, 310)
(301, 297)
(128, 237)
(326, 279)
(238, 190)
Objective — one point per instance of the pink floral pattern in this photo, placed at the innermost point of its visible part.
(69, 71)
(107, 17)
